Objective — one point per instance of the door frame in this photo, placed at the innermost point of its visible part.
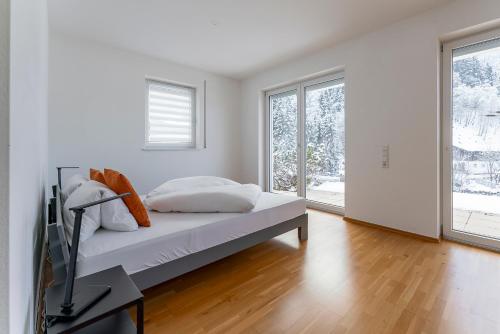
(447, 142)
(300, 88)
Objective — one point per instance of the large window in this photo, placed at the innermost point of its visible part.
(171, 116)
(283, 106)
(471, 136)
(306, 140)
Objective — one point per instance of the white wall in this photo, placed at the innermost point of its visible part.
(392, 97)
(97, 115)
(4, 162)
(28, 156)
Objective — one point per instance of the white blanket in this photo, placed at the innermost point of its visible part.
(190, 183)
(223, 198)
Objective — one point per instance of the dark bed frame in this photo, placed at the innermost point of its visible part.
(59, 248)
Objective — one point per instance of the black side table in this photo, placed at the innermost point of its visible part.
(108, 315)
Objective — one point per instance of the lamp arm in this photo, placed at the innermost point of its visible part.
(70, 278)
(100, 201)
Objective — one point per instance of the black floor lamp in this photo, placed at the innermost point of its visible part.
(64, 305)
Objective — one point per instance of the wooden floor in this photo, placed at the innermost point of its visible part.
(346, 279)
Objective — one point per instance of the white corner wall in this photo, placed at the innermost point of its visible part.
(4, 163)
(97, 115)
(27, 157)
(392, 97)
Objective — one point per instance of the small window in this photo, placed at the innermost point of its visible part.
(171, 116)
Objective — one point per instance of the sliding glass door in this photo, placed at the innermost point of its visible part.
(284, 175)
(325, 142)
(472, 140)
(306, 141)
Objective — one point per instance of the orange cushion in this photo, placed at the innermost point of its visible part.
(97, 175)
(120, 184)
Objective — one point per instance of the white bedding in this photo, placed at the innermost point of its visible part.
(225, 198)
(190, 183)
(174, 235)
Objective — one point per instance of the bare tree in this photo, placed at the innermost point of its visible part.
(492, 165)
(460, 173)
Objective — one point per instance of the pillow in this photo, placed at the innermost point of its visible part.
(97, 175)
(187, 183)
(115, 215)
(71, 184)
(120, 184)
(226, 198)
(91, 219)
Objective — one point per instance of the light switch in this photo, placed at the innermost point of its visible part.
(385, 156)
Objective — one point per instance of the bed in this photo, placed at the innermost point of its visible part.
(177, 243)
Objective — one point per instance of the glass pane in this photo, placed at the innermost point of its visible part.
(283, 109)
(476, 139)
(325, 143)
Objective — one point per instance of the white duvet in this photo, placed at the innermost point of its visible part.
(189, 195)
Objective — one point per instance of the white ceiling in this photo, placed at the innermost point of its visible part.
(235, 38)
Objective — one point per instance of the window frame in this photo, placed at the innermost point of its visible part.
(300, 88)
(197, 113)
(269, 140)
(446, 137)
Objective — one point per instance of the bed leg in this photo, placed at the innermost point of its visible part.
(303, 229)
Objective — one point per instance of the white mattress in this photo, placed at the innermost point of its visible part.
(174, 235)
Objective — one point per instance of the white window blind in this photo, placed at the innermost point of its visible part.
(171, 115)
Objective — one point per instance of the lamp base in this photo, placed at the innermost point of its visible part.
(83, 298)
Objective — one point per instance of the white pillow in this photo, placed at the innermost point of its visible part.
(91, 219)
(226, 198)
(71, 184)
(113, 215)
(188, 183)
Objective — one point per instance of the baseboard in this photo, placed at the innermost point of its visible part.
(390, 229)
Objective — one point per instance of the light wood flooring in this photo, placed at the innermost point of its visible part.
(346, 279)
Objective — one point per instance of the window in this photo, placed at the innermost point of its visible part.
(471, 139)
(170, 116)
(306, 141)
